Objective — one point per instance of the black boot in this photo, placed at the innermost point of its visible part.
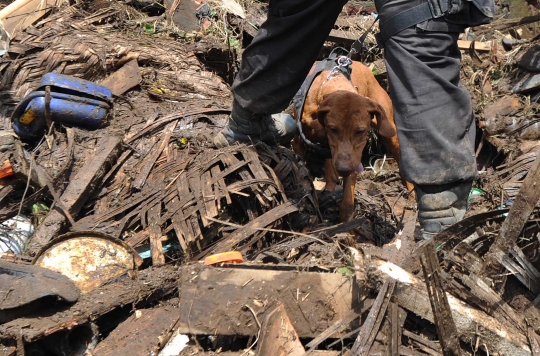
(440, 206)
(245, 126)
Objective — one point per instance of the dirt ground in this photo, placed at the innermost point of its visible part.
(150, 177)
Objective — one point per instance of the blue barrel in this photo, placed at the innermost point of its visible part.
(74, 102)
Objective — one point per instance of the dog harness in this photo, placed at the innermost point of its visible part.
(336, 65)
(469, 13)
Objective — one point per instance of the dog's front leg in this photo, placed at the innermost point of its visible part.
(346, 210)
(330, 176)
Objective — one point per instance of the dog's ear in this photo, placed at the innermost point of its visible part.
(384, 126)
(325, 107)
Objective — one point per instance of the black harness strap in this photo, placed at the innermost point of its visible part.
(408, 18)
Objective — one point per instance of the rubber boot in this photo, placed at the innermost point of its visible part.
(440, 206)
(245, 126)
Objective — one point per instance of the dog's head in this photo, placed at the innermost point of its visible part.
(347, 119)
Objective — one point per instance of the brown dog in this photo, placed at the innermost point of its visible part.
(338, 113)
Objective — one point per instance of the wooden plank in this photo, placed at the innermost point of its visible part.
(278, 336)
(140, 334)
(212, 299)
(429, 346)
(344, 37)
(395, 329)
(478, 46)
(86, 181)
(442, 314)
(371, 326)
(331, 331)
(124, 78)
(20, 14)
(534, 341)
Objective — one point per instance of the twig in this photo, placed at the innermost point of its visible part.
(266, 229)
(27, 186)
(258, 333)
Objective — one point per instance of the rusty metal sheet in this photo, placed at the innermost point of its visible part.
(88, 258)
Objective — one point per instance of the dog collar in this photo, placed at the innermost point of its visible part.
(319, 149)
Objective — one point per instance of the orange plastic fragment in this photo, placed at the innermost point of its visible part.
(224, 257)
(6, 170)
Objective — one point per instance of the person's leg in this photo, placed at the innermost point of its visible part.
(274, 66)
(436, 129)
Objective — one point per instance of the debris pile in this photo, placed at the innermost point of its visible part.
(137, 236)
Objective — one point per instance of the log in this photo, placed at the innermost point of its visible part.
(411, 294)
(77, 192)
(145, 288)
(212, 300)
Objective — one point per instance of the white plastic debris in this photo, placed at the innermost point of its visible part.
(14, 233)
(175, 345)
(4, 39)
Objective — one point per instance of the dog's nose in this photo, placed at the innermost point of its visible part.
(344, 168)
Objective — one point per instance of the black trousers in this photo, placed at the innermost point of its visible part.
(433, 111)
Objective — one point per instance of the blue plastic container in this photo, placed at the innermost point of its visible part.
(74, 102)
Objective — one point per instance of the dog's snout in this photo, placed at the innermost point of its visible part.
(344, 164)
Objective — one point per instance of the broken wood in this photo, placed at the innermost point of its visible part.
(123, 79)
(370, 328)
(77, 192)
(145, 287)
(519, 213)
(534, 342)
(20, 14)
(411, 294)
(346, 322)
(395, 329)
(442, 314)
(429, 346)
(140, 334)
(212, 299)
(278, 336)
(478, 46)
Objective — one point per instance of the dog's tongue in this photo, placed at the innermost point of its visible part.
(360, 169)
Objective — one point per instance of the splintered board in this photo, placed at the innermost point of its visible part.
(217, 301)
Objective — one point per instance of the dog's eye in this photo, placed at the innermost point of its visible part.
(333, 130)
(360, 132)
